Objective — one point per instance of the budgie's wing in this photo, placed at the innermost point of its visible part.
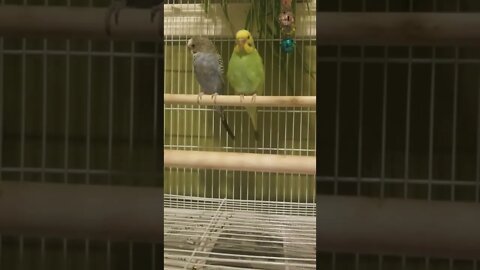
(256, 76)
(208, 69)
(256, 73)
(246, 75)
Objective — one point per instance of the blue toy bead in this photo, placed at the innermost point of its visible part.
(288, 45)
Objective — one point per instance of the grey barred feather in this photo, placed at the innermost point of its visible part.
(209, 71)
(220, 64)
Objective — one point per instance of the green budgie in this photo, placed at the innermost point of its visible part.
(245, 72)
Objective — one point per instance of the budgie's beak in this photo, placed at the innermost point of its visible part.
(189, 45)
(241, 42)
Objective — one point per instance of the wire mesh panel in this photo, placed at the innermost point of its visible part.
(399, 122)
(221, 219)
(78, 111)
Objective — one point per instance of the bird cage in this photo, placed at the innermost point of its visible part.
(253, 214)
(399, 123)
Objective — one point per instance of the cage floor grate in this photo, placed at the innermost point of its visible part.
(203, 233)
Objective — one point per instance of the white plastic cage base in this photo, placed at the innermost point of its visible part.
(202, 233)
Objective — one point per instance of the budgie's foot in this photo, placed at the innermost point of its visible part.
(242, 97)
(153, 13)
(214, 97)
(114, 9)
(254, 97)
(199, 97)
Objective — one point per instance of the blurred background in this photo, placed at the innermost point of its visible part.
(78, 111)
(399, 122)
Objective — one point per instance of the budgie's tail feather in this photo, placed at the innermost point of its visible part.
(224, 122)
(256, 134)
(252, 113)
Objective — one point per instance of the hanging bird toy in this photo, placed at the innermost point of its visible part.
(287, 26)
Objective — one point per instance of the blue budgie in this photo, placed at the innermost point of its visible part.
(208, 70)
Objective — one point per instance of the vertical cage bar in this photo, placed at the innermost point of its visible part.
(300, 134)
(192, 114)
(360, 117)
(154, 261)
(170, 78)
(110, 112)
(88, 112)
(22, 133)
(1, 111)
(44, 130)
(155, 98)
(110, 134)
(67, 110)
(109, 255)
(181, 112)
(22, 110)
(67, 132)
(454, 125)
(432, 123)
(67, 113)
(1, 125)
(269, 135)
(407, 124)
(88, 130)
(277, 175)
(384, 122)
(337, 120)
(262, 174)
(87, 254)
(88, 136)
(477, 178)
(313, 46)
(20, 252)
(357, 261)
(132, 98)
(285, 152)
(44, 108)
(130, 255)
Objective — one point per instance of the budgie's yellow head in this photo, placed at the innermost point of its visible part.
(244, 41)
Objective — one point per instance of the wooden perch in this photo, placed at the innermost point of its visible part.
(398, 226)
(81, 211)
(398, 28)
(239, 161)
(224, 100)
(78, 22)
(334, 28)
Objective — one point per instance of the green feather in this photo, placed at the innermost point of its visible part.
(246, 74)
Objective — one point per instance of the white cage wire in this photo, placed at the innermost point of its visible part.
(220, 219)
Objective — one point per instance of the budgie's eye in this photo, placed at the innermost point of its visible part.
(193, 45)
